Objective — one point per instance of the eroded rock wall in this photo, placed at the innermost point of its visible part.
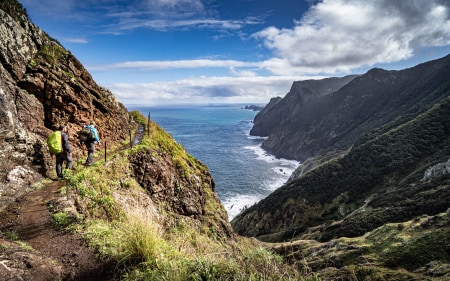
(43, 85)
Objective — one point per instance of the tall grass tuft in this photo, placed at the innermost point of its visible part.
(141, 240)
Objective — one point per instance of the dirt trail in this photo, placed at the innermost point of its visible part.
(30, 218)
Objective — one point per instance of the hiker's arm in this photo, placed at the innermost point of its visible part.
(66, 145)
(97, 139)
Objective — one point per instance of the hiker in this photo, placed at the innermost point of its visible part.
(90, 143)
(65, 154)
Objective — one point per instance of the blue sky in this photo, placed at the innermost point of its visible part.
(158, 52)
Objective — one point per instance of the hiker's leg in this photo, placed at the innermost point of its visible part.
(59, 162)
(88, 145)
(69, 162)
(91, 150)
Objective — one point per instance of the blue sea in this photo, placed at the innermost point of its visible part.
(219, 137)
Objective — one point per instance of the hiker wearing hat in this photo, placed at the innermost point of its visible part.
(90, 143)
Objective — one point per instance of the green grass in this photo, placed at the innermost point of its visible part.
(146, 251)
(61, 219)
(152, 243)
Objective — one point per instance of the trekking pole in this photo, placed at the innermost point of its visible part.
(82, 154)
(131, 143)
(148, 127)
(105, 151)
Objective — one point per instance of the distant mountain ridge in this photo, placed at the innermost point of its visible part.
(380, 148)
(306, 123)
(280, 110)
(393, 176)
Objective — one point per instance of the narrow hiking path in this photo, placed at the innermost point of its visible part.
(30, 219)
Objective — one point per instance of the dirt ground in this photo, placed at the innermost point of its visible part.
(30, 219)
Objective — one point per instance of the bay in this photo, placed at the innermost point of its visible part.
(218, 135)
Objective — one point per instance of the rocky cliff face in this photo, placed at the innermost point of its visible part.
(42, 85)
(392, 131)
(332, 123)
(181, 195)
(280, 110)
(392, 176)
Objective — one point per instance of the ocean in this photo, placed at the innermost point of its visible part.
(219, 136)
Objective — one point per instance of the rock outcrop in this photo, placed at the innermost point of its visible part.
(43, 85)
(16, 264)
(185, 195)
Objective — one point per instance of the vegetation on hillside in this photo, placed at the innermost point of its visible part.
(148, 241)
(374, 177)
(52, 54)
(411, 250)
(378, 193)
(372, 213)
(14, 9)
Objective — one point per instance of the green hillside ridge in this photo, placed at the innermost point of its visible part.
(411, 250)
(147, 238)
(153, 243)
(376, 182)
(379, 210)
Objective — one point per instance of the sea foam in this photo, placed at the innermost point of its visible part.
(282, 170)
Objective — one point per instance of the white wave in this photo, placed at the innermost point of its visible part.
(237, 203)
(255, 137)
(274, 183)
(261, 154)
(282, 168)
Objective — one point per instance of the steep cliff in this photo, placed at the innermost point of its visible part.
(380, 180)
(332, 123)
(376, 184)
(280, 111)
(42, 85)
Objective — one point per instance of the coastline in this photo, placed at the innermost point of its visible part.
(219, 136)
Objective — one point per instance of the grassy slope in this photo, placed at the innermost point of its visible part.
(411, 250)
(151, 243)
(373, 184)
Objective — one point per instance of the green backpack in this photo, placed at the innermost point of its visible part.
(54, 143)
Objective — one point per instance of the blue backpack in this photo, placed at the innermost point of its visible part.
(86, 134)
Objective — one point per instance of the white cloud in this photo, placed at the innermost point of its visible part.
(195, 5)
(127, 24)
(204, 90)
(334, 37)
(175, 64)
(341, 35)
(76, 40)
